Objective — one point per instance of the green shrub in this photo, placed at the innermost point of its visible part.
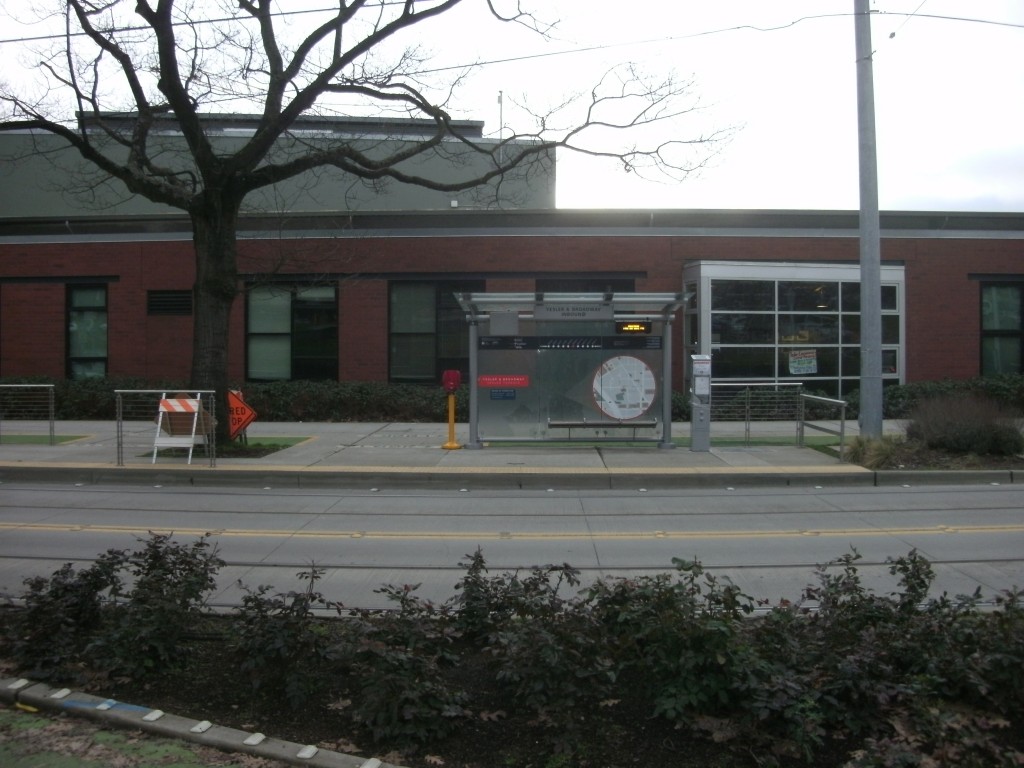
(972, 424)
(61, 615)
(546, 648)
(333, 401)
(169, 584)
(482, 602)
(903, 678)
(682, 635)
(396, 661)
(282, 647)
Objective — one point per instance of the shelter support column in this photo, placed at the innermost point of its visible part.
(474, 399)
(666, 378)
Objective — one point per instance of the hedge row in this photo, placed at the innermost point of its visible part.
(841, 675)
(331, 401)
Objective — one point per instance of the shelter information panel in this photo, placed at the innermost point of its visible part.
(597, 376)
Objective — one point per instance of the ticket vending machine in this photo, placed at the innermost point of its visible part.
(700, 403)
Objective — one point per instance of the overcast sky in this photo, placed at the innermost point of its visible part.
(949, 100)
(948, 79)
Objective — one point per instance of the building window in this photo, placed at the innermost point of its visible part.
(87, 331)
(428, 331)
(1002, 330)
(777, 323)
(292, 333)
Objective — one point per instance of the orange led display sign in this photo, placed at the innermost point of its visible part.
(633, 326)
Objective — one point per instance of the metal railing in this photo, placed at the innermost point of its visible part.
(27, 402)
(804, 424)
(751, 402)
(140, 426)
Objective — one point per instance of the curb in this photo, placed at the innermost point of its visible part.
(484, 478)
(499, 478)
(116, 714)
(890, 477)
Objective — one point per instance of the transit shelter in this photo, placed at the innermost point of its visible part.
(590, 367)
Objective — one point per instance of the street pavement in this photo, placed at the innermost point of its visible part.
(347, 455)
(390, 455)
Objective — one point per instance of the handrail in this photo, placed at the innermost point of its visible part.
(49, 405)
(788, 392)
(206, 396)
(804, 424)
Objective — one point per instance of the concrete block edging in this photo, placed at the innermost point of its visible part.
(34, 696)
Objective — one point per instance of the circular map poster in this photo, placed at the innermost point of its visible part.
(624, 387)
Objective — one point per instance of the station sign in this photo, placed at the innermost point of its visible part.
(573, 311)
(503, 381)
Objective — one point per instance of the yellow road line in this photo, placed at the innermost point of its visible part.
(518, 535)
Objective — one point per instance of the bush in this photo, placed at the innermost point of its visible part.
(333, 401)
(60, 617)
(282, 646)
(169, 584)
(873, 453)
(893, 679)
(972, 424)
(548, 649)
(396, 660)
(682, 635)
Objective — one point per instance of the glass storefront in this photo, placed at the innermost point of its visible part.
(785, 323)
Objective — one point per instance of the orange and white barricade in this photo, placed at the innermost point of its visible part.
(181, 423)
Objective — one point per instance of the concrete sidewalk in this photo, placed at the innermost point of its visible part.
(410, 455)
(392, 454)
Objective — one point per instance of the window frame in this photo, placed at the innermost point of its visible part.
(290, 349)
(832, 329)
(72, 307)
(434, 342)
(1001, 333)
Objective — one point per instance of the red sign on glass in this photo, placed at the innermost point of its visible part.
(503, 380)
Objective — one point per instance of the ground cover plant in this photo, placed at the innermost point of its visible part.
(535, 669)
(945, 431)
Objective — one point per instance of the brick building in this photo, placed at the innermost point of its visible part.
(370, 296)
(103, 286)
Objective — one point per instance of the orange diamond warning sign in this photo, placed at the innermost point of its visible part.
(241, 414)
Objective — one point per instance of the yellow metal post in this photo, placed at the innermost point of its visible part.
(451, 445)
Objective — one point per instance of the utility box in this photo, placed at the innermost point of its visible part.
(700, 403)
(566, 367)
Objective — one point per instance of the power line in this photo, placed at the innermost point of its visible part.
(907, 20)
(279, 14)
(569, 51)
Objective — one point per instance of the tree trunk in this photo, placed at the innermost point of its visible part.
(216, 286)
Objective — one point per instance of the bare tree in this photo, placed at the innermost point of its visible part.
(127, 72)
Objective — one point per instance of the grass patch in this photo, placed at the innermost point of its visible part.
(817, 442)
(261, 447)
(253, 449)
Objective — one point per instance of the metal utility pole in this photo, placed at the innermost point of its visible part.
(870, 234)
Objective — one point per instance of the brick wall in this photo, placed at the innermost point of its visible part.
(942, 289)
(32, 330)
